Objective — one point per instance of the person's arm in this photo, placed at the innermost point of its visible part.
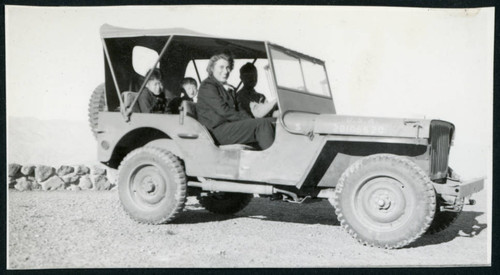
(214, 100)
(262, 109)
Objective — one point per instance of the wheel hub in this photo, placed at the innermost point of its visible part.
(381, 202)
(148, 185)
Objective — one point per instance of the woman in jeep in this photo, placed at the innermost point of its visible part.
(218, 110)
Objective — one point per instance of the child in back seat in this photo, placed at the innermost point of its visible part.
(189, 91)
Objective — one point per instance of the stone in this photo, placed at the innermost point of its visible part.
(70, 179)
(28, 170)
(64, 170)
(43, 172)
(53, 183)
(23, 184)
(14, 170)
(102, 183)
(98, 171)
(74, 187)
(85, 183)
(82, 170)
(35, 185)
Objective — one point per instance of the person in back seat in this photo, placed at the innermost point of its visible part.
(189, 90)
(152, 99)
(218, 109)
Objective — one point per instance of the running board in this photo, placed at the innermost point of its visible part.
(226, 186)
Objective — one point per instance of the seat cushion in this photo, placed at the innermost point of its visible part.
(128, 97)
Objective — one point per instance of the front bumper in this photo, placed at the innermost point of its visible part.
(458, 189)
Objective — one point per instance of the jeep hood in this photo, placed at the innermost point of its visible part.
(357, 125)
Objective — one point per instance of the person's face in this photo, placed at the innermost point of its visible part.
(154, 86)
(221, 70)
(249, 79)
(191, 90)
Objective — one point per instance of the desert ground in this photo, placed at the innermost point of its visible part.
(89, 229)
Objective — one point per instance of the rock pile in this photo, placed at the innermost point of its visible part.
(46, 178)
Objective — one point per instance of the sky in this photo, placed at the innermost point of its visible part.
(389, 62)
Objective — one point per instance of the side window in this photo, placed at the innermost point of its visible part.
(143, 59)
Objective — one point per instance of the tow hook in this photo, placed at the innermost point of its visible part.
(468, 201)
(449, 208)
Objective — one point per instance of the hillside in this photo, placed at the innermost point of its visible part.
(50, 142)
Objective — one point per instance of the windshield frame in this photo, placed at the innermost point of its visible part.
(299, 56)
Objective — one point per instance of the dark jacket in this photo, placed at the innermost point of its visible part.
(150, 103)
(175, 103)
(216, 106)
(247, 95)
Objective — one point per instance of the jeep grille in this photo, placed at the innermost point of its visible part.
(440, 134)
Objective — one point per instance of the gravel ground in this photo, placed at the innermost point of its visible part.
(88, 229)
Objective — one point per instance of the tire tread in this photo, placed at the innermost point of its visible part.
(422, 177)
(179, 175)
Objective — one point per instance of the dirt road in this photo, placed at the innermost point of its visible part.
(88, 229)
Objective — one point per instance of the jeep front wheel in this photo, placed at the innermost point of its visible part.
(385, 201)
(152, 185)
(225, 203)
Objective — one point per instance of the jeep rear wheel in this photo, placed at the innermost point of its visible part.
(225, 203)
(384, 201)
(97, 104)
(152, 185)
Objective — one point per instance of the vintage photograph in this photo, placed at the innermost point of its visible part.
(248, 136)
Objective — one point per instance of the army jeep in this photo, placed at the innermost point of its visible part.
(387, 178)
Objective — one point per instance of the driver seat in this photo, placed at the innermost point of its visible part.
(188, 109)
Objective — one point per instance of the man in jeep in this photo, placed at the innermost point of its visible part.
(254, 103)
(218, 109)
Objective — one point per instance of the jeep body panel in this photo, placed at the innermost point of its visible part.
(416, 131)
(202, 157)
(297, 159)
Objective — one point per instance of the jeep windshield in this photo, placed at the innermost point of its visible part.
(301, 81)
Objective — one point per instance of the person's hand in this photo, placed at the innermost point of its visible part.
(229, 87)
(262, 98)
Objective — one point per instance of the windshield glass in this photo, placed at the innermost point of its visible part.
(299, 74)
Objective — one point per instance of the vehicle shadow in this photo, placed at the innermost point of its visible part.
(321, 212)
(466, 226)
(317, 212)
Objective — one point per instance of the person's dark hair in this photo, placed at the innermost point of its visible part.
(189, 80)
(156, 75)
(217, 57)
(248, 68)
